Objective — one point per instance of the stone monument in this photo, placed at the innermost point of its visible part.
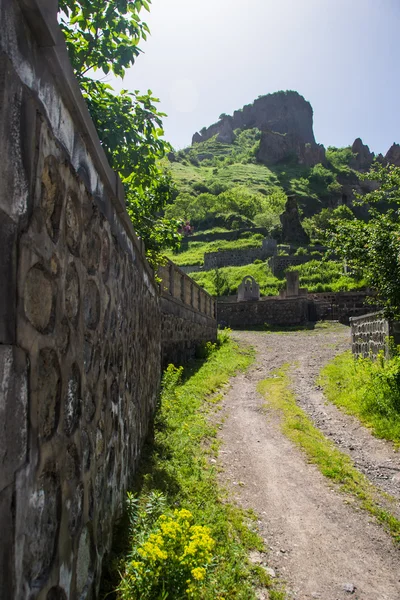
(248, 289)
(292, 284)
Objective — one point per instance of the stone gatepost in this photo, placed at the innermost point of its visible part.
(292, 284)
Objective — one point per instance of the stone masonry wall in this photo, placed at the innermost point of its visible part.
(80, 323)
(279, 264)
(271, 311)
(340, 306)
(370, 335)
(234, 258)
(188, 315)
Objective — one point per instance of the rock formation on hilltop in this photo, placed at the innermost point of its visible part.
(281, 112)
(393, 155)
(363, 157)
(285, 120)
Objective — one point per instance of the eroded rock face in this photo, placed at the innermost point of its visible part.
(281, 112)
(276, 147)
(292, 230)
(393, 155)
(363, 157)
(311, 154)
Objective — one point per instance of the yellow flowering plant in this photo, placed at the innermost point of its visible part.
(171, 561)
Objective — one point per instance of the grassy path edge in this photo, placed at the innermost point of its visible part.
(332, 463)
(180, 465)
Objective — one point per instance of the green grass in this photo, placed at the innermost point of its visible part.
(256, 177)
(326, 276)
(315, 275)
(369, 390)
(332, 463)
(177, 464)
(269, 285)
(193, 252)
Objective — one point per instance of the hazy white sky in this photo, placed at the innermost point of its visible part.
(205, 57)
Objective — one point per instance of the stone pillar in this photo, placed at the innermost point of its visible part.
(292, 284)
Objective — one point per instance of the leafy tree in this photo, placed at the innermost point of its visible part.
(105, 35)
(318, 225)
(372, 247)
(221, 284)
(339, 157)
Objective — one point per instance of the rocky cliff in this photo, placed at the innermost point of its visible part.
(281, 112)
(393, 155)
(276, 147)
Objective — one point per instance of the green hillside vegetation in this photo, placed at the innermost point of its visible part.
(222, 187)
(222, 184)
(327, 276)
(192, 252)
(316, 276)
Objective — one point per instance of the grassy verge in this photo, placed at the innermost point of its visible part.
(326, 276)
(316, 276)
(185, 539)
(368, 389)
(332, 463)
(233, 277)
(193, 253)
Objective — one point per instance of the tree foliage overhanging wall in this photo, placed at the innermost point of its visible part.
(104, 36)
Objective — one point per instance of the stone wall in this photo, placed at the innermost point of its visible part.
(233, 258)
(235, 234)
(340, 306)
(370, 335)
(271, 311)
(192, 269)
(188, 315)
(80, 323)
(278, 264)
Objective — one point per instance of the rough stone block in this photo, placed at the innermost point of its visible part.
(8, 275)
(13, 412)
(7, 543)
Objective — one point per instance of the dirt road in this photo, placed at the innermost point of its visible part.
(320, 544)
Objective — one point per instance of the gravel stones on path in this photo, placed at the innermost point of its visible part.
(319, 543)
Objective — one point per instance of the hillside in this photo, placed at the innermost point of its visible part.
(240, 171)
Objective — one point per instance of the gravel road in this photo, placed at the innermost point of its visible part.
(319, 543)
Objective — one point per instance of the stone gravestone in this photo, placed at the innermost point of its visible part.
(248, 289)
(292, 284)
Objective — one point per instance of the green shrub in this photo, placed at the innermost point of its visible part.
(368, 389)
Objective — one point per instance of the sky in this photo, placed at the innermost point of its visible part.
(207, 57)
